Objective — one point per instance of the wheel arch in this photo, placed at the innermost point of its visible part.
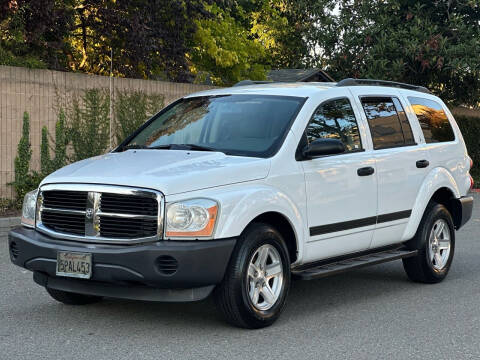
(440, 186)
(285, 227)
(263, 204)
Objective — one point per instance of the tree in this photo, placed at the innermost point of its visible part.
(431, 43)
(225, 51)
(32, 33)
(148, 39)
(279, 26)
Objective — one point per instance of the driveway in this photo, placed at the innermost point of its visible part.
(373, 313)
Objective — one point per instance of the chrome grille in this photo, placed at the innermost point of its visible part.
(127, 228)
(100, 213)
(74, 200)
(64, 222)
(126, 204)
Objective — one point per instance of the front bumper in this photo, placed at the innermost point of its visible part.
(133, 271)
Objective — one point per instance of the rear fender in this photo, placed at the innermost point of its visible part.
(436, 179)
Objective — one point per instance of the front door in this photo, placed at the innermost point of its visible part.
(341, 189)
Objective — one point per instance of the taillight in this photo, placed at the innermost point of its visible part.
(471, 163)
(472, 182)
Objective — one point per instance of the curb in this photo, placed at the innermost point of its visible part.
(6, 224)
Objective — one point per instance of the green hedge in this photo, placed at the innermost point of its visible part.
(470, 127)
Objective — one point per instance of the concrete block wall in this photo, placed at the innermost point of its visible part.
(41, 93)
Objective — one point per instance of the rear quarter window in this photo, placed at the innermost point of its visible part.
(433, 120)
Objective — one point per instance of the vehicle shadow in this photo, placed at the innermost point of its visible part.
(306, 299)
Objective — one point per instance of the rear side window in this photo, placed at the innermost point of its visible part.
(335, 119)
(388, 123)
(433, 120)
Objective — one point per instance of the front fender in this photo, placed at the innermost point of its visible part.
(437, 178)
(242, 203)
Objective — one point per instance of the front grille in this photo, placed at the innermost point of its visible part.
(127, 228)
(73, 200)
(64, 222)
(100, 213)
(125, 204)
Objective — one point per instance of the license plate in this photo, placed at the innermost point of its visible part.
(73, 264)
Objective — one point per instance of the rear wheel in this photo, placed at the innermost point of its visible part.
(70, 298)
(254, 289)
(435, 242)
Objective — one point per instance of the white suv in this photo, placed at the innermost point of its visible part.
(238, 190)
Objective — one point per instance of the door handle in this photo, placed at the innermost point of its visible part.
(365, 171)
(422, 164)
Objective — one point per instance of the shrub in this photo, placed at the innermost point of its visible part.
(9, 206)
(61, 141)
(470, 127)
(45, 162)
(132, 109)
(89, 124)
(48, 165)
(25, 180)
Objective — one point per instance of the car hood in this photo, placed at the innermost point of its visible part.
(169, 171)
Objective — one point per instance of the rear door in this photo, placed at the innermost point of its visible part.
(341, 200)
(401, 162)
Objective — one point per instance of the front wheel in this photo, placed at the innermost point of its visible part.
(255, 287)
(435, 242)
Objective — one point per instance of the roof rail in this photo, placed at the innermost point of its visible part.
(251, 82)
(372, 82)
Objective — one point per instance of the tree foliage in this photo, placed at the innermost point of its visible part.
(225, 51)
(432, 43)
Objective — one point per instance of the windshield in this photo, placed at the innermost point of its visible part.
(244, 125)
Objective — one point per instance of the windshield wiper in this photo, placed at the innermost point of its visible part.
(193, 147)
(144, 147)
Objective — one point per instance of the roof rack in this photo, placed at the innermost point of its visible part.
(371, 82)
(251, 82)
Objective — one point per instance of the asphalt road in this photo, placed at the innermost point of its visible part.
(374, 313)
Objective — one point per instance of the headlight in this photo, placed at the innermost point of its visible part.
(191, 218)
(28, 208)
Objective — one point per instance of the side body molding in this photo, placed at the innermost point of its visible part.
(437, 178)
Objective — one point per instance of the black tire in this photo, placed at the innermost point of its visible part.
(420, 268)
(231, 296)
(70, 298)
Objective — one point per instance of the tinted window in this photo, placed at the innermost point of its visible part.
(406, 128)
(387, 121)
(433, 120)
(245, 125)
(335, 120)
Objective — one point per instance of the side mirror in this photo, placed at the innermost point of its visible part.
(321, 147)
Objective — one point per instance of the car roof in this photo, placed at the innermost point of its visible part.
(299, 89)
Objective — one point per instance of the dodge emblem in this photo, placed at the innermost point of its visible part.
(89, 213)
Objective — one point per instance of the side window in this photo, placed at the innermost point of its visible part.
(433, 120)
(388, 123)
(335, 119)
